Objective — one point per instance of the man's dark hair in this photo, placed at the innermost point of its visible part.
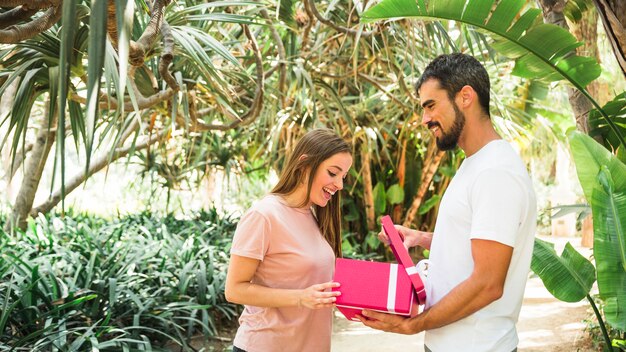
(453, 71)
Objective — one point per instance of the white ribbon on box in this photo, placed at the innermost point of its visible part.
(422, 269)
(391, 289)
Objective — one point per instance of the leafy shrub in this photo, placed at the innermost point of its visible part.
(83, 282)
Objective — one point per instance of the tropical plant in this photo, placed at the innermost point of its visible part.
(602, 177)
(183, 73)
(571, 276)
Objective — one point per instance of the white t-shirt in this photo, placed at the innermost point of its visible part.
(491, 197)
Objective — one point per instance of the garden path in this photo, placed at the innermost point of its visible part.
(545, 324)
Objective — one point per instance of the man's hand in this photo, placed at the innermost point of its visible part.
(389, 322)
(411, 238)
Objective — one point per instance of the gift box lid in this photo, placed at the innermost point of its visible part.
(403, 257)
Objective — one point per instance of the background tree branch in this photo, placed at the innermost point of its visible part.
(96, 165)
(18, 32)
(350, 31)
(16, 15)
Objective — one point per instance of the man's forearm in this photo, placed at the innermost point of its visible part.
(467, 298)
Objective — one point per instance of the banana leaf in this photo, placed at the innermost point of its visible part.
(569, 277)
(603, 179)
(609, 205)
(541, 51)
(589, 157)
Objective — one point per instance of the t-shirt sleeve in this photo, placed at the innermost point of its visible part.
(498, 200)
(251, 237)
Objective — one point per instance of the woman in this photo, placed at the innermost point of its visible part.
(284, 249)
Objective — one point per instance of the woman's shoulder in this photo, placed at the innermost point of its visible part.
(267, 205)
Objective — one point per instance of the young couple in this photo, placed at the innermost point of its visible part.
(284, 248)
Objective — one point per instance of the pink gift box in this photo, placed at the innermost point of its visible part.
(384, 287)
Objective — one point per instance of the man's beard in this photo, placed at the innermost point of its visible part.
(450, 139)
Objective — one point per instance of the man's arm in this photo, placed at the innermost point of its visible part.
(483, 286)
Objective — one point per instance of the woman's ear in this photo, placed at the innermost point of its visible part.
(302, 157)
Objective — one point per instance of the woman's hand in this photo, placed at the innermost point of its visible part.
(239, 289)
(317, 296)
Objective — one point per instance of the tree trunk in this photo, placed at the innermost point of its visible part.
(397, 209)
(368, 192)
(553, 13)
(32, 172)
(613, 16)
(586, 31)
(431, 164)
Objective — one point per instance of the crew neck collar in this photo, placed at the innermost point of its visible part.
(282, 201)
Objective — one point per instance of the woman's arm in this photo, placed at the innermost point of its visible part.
(240, 290)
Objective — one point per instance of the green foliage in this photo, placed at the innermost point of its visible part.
(429, 204)
(395, 194)
(568, 277)
(574, 9)
(583, 210)
(616, 108)
(596, 330)
(353, 247)
(609, 204)
(82, 282)
(603, 179)
(541, 51)
(380, 198)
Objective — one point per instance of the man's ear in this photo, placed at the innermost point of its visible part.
(466, 95)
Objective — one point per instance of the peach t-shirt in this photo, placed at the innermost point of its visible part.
(293, 255)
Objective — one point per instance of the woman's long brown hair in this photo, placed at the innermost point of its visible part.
(318, 145)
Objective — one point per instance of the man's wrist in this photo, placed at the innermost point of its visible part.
(417, 324)
(424, 239)
(419, 238)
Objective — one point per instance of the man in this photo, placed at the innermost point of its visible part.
(481, 248)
